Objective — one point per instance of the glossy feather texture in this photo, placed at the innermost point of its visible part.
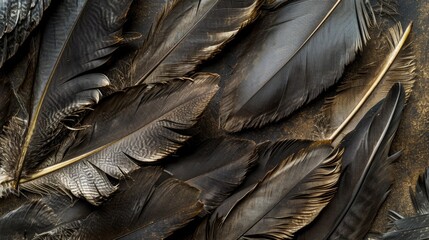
(303, 50)
(147, 205)
(156, 118)
(111, 113)
(38, 216)
(359, 94)
(187, 33)
(288, 198)
(18, 19)
(218, 166)
(77, 38)
(366, 178)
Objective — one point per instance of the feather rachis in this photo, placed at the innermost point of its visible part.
(194, 19)
(366, 178)
(53, 70)
(255, 96)
(225, 222)
(342, 112)
(149, 138)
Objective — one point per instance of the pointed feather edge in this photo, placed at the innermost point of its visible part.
(330, 159)
(397, 87)
(60, 165)
(385, 68)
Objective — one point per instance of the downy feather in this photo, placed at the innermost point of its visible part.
(360, 93)
(187, 33)
(18, 19)
(145, 207)
(156, 119)
(288, 198)
(303, 50)
(366, 178)
(78, 36)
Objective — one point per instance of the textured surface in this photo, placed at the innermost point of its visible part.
(413, 135)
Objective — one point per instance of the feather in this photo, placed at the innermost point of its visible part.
(16, 81)
(18, 19)
(276, 75)
(41, 215)
(187, 33)
(156, 117)
(216, 168)
(360, 93)
(76, 38)
(288, 198)
(271, 154)
(412, 227)
(141, 19)
(141, 209)
(366, 178)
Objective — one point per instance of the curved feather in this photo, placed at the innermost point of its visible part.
(270, 155)
(16, 81)
(78, 37)
(288, 198)
(359, 94)
(141, 209)
(18, 19)
(38, 216)
(142, 18)
(187, 33)
(366, 178)
(216, 168)
(275, 75)
(157, 118)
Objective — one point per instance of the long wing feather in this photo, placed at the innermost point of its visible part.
(359, 94)
(187, 33)
(276, 75)
(18, 19)
(156, 119)
(366, 178)
(146, 207)
(287, 198)
(78, 36)
(218, 166)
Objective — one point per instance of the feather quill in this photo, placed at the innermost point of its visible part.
(156, 116)
(218, 166)
(275, 74)
(187, 33)
(366, 178)
(288, 198)
(145, 207)
(18, 19)
(78, 36)
(360, 93)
